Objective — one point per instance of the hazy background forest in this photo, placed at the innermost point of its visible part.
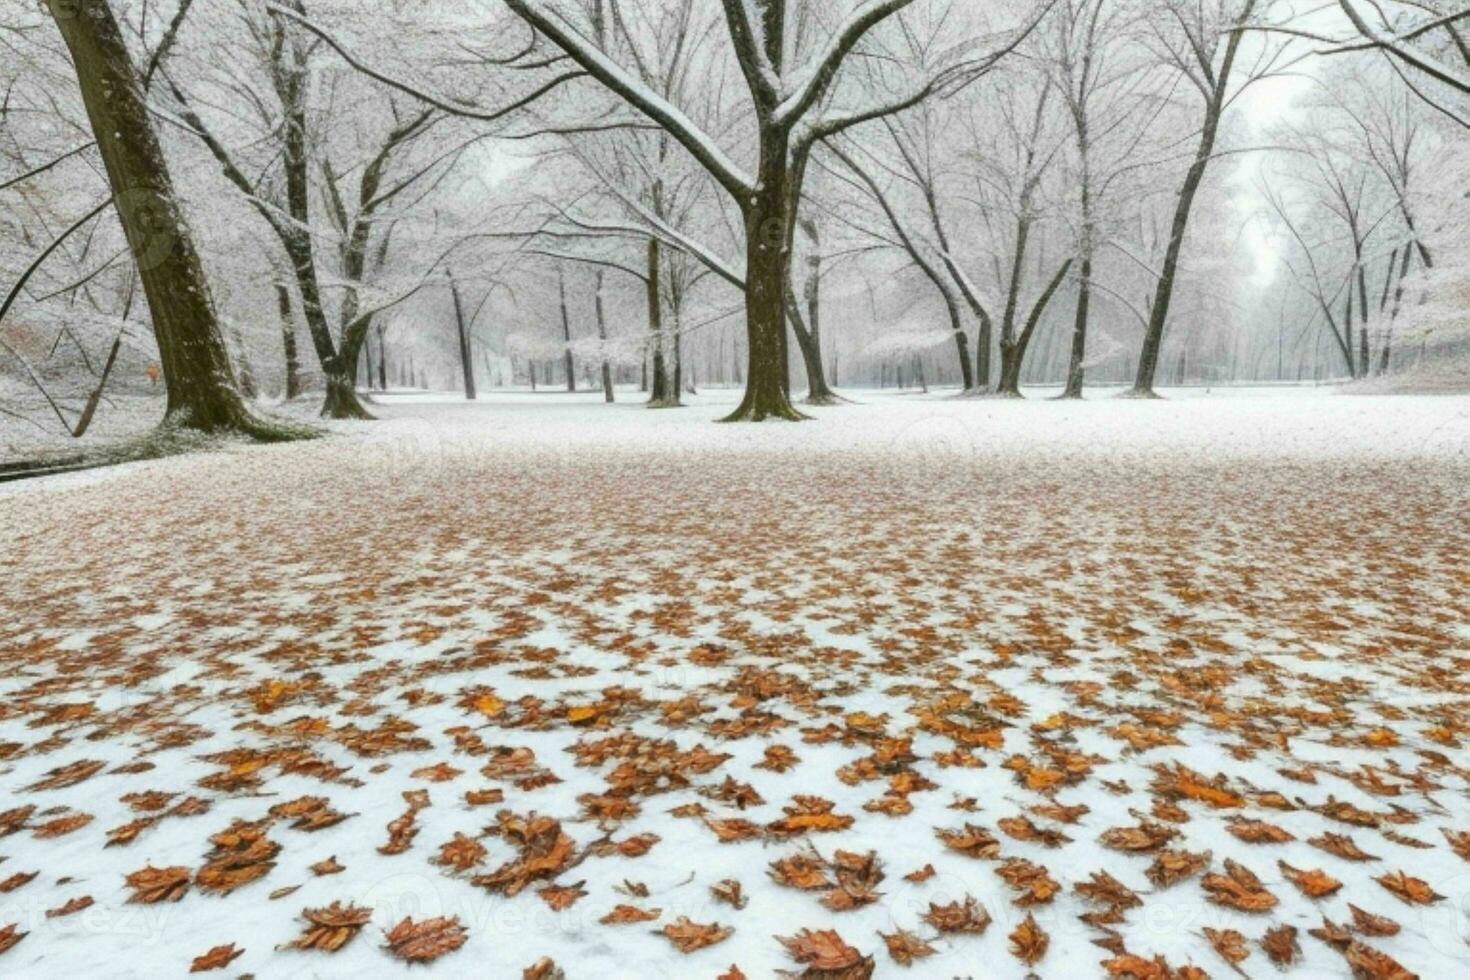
(366, 185)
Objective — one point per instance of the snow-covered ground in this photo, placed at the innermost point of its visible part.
(1021, 644)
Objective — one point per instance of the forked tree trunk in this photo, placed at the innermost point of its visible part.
(192, 352)
(1013, 354)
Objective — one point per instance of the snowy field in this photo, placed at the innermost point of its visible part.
(985, 688)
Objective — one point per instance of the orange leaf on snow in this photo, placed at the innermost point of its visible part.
(1413, 891)
(71, 906)
(1239, 889)
(1281, 946)
(217, 958)
(689, 936)
(905, 947)
(628, 914)
(827, 952)
(151, 885)
(1314, 883)
(1029, 941)
(331, 927)
(420, 942)
(9, 936)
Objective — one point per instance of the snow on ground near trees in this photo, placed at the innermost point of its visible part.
(1124, 679)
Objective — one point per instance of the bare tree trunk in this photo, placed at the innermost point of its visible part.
(566, 329)
(1075, 370)
(1153, 339)
(658, 396)
(466, 355)
(608, 393)
(1011, 364)
(196, 365)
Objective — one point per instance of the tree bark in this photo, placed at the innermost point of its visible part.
(1075, 370)
(192, 352)
(466, 356)
(609, 395)
(566, 330)
(1013, 358)
(288, 342)
(1153, 338)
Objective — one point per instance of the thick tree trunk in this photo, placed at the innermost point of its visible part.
(659, 395)
(1013, 355)
(768, 236)
(192, 352)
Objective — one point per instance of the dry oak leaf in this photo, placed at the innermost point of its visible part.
(1372, 925)
(545, 852)
(689, 936)
(216, 959)
(827, 956)
(1146, 836)
(1458, 839)
(72, 905)
(809, 813)
(968, 916)
(327, 867)
(543, 969)
(13, 821)
(1229, 944)
(731, 893)
(462, 853)
(1341, 845)
(1259, 832)
(562, 897)
(1185, 782)
(242, 854)
(1127, 966)
(1172, 867)
(1022, 829)
(1029, 941)
(17, 880)
(151, 885)
(804, 871)
(622, 915)
(923, 874)
(420, 942)
(734, 973)
(972, 841)
(61, 825)
(1370, 964)
(1413, 891)
(331, 927)
(733, 829)
(9, 936)
(1281, 946)
(905, 947)
(1239, 889)
(68, 775)
(1032, 881)
(1313, 883)
(128, 832)
(1104, 889)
